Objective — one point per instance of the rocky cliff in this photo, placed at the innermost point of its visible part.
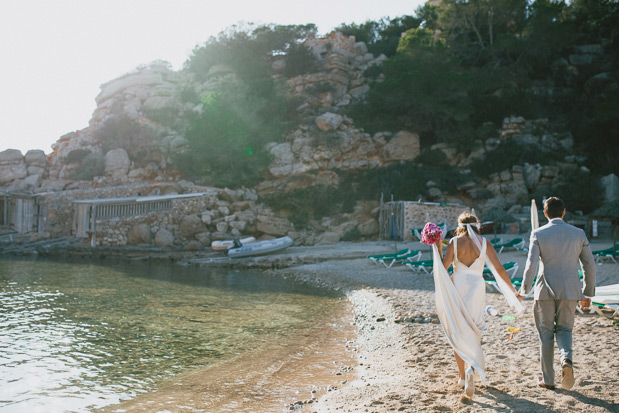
(140, 119)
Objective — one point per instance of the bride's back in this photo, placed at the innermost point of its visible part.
(466, 252)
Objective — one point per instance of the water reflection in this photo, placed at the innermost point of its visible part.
(78, 336)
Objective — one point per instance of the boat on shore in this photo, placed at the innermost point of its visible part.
(227, 244)
(260, 247)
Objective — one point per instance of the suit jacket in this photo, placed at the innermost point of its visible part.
(559, 246)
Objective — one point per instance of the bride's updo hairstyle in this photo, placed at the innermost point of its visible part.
(466, 218)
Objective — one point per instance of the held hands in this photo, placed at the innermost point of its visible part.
(585, 304)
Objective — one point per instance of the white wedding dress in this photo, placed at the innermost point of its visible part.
(460, 304)
(470, 284)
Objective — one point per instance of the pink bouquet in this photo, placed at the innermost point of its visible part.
(431, 233)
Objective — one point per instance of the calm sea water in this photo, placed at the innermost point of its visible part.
(82, 335)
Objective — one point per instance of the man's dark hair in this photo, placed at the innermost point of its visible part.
(554, 207)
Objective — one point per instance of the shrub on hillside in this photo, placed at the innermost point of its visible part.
(92, 165)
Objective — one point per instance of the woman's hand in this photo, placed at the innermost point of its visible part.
(585, 304)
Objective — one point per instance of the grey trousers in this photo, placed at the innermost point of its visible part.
(554, 317)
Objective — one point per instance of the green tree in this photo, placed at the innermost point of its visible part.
(423, 90)
(226, 142)
(381, 37)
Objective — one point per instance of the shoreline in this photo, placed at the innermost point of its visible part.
(401, 365)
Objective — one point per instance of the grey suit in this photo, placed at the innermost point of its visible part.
(560, 246)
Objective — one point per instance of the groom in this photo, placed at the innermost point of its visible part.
(559, 246)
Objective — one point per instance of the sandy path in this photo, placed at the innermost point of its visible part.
(406, 366)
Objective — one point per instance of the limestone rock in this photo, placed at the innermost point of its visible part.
(35, 170)
(222, 227)
(273, 226)
(403, 146)
(515, 125)
(12, 166)
(610, 183)
(164, 238)
(36, 157)
(598, 83)
(204, 238)
(33, 181)
(191, 225)
(139, 234)
(369, 227)
(532, 175)
(10, 156)
(109, 89)
(330, 238)
(194, 246)
(117, 163)
(329, 121)
(53, 185)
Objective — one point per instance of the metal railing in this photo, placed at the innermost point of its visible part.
(131, 209)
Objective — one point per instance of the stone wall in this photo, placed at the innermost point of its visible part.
(414, 215)
(57, 207)
(191, 223)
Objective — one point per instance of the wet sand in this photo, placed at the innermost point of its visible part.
(295, 371)
(373, 359)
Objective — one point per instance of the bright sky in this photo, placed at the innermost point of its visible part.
(56, 54)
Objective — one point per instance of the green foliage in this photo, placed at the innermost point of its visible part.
(432, 157)
(189, 95)
(405, 180)
(227, 141)
(596, 131)
(300, 60)
(588, 196)
(352, 235)
(429, 15)
(424, 91)
(510, 153)
(319, 88)
(92, 165)
(246, 50)
(76, 155)
(313, 203)
(416, 39)
(120, 131)
(381, 37)
(165, 116)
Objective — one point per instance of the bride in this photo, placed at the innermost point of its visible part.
(461, 299)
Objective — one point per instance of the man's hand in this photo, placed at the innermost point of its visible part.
(519, 297)
(585, 304)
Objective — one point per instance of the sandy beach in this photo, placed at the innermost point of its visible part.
(409, 366)
(375, 359)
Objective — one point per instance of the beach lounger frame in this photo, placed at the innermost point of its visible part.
(601, 255)
(515, 243)
(410, 256)
(426, 266)
(376, 257)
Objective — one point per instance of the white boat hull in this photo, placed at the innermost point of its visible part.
(260, 247)
(224, 245)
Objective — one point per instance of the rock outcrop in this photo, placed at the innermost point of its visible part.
(326, 142)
